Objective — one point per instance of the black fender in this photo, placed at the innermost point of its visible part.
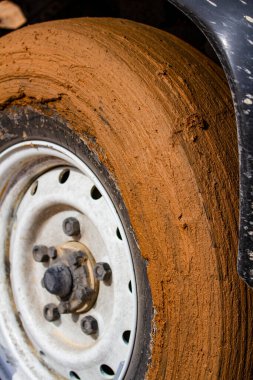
(228, 25)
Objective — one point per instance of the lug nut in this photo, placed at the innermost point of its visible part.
(71, 226)
(40, 253)
(102, 271)
(89, 325)
(51, 312)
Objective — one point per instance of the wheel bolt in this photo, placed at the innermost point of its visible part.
(40, 253)
(51, 312)
(102, 271)
(89, 325)
(71, 226)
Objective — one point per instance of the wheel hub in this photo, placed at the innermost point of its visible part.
(58, 280)
(70, 276)
(72, 305)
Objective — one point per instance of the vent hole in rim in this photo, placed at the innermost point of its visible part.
(118, 234)
(74, 376)
(106, 371)
(95, 193)
(130, 286)
(64, 175)
(34, 188)
(126, 336)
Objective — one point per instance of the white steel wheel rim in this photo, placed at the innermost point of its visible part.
(33, 204)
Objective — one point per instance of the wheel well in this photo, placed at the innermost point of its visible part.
(164, 16)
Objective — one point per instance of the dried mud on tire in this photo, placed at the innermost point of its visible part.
(159, 116)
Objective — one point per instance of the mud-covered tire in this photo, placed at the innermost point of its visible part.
(157, 115)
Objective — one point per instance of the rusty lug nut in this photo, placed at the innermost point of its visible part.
(52, 252)
(84, 294)
(51, 312)
(102, 271)
(89, 325)
(71, 226)
(40, 253)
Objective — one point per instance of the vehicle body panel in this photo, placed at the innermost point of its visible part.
(228, 25)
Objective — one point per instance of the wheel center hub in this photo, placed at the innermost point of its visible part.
(58, 280)
(70, 276)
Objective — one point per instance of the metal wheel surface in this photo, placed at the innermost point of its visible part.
(47, 187)
(118, 196)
